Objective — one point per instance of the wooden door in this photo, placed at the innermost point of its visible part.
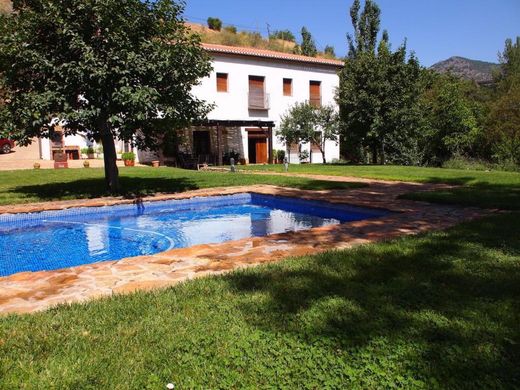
(261, 151)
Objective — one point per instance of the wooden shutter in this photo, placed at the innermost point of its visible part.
(256, 84)
(315, 93)
(287, 87)
(222, 82)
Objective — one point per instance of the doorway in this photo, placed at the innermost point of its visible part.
(257, 148)
(201, 143)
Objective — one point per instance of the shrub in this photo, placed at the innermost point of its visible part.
(230, 29)
(280, 155)
(214, 24)
(88, 150)
(128, 156)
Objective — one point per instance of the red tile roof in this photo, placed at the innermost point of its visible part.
(253, 52)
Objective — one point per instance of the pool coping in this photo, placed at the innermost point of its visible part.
(33, 291)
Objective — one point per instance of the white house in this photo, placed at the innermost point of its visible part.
(251, 89)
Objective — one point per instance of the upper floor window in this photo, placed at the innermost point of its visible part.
(315, 93)
(287, 87)
(222, 82)
(258, 99)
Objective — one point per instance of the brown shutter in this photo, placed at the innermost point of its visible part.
(256, 83)
(287, 87)
(222, 82)
(315, 93)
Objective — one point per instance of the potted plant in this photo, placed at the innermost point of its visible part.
(129, 159)
(280, 156)
(89, 152)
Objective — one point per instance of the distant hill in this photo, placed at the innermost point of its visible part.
(479, 71)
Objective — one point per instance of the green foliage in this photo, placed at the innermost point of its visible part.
(230, 29)
(451, 125)
(285, 35)
(128, 156)
(504, 115)
(308, 46)
(304, 122)
(329, 51)
(105, 68)
(280, 155)
(435, 311)
(214, 23)
(366, 27)
(88, 150)
(378, 95)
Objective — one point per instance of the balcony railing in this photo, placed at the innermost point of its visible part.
(258, 100)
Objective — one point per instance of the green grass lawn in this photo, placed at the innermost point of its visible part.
(45, 185)
(441, 310)
(494, 189)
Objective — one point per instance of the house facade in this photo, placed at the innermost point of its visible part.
(251, 89)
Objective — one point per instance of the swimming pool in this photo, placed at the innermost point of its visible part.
(58, 239)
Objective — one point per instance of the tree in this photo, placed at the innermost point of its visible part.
(504, 116)
(214, 24)
(285, 35)
(451, 125)
(308, 47)
(329, 50)
(104, 68)
(307, 123)
(378, 94)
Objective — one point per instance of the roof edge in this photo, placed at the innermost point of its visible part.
(270, 54)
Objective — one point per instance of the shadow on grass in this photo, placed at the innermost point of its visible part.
(96, 187)
(483, 195)
(445, 303)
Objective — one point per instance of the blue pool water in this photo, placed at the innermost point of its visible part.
(58, 239)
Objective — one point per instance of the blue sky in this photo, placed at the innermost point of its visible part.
(435, 29)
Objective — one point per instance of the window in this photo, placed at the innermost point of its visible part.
(222, 82)
(258, 99)
(287, 87)
(315, 93)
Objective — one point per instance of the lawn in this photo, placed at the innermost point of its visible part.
(439, 310)
(494, 189)
(46, 185)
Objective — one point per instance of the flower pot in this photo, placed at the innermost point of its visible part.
(129, 163)
(91, 155)
(86, 164)
(155, 163)
(36, 165)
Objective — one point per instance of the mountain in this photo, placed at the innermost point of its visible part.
(479, 71)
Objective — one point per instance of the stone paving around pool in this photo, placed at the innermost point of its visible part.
(33, 291)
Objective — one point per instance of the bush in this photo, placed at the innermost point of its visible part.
(226, 158)
(466, 163)
(88, 150)
(230, 29)
(280, 155)
(128, 156)
(214, 24)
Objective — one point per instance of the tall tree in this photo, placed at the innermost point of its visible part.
(451, 125)
(307, 123)
(378, 93)
(308, 46)
(504, 117)
(106, 68)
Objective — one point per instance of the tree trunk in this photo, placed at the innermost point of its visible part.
(374, 154)
(110, 158)
(322, 150)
